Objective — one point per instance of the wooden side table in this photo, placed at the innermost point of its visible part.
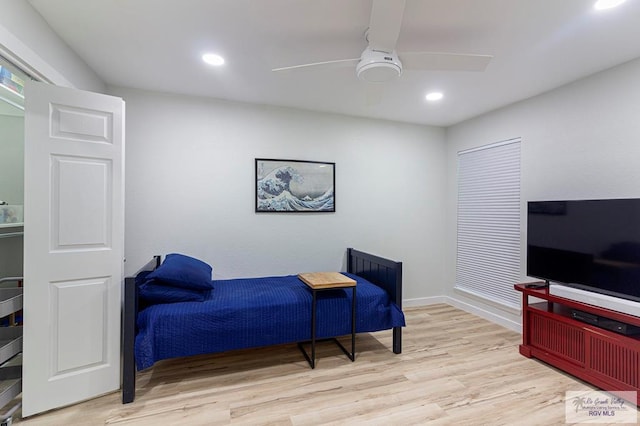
(319, 281)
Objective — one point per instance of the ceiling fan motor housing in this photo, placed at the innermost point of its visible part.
(377, 67)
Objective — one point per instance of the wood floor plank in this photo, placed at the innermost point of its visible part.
(456, 368)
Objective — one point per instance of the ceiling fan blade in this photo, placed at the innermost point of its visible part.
(326, 64)
(384, 24)
(444, 61)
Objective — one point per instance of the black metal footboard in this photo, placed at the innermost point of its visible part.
(384, 273)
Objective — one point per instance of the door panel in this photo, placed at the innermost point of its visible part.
(81, 219)
(65, 311)
(81, 124)
(73, 242)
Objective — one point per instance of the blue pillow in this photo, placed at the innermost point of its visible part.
(183, 271)
(153, 291)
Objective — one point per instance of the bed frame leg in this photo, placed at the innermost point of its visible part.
(397, 340)
(128, 389)
(128, 341)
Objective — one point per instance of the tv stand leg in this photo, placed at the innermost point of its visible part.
(524, 350)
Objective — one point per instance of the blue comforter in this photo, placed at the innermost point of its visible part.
(254, 312)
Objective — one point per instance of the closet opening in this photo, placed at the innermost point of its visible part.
(12, 80)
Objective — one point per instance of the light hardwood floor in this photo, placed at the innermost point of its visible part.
(455, 369)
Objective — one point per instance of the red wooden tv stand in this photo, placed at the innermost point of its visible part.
(601, 357)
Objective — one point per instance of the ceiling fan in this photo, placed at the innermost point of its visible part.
(379, 62)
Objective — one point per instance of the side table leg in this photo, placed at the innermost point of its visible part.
(313, 329)
(353, 325)
(314, 305)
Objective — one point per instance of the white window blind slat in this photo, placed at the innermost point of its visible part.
(488, 255)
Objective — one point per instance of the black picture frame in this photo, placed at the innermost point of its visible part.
(294, 186)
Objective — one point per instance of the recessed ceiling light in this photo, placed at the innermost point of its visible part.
(607, 4)
(434, 96)
(213, 59)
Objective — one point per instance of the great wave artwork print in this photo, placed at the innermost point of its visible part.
(290, 186)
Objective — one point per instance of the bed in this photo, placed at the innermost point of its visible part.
(256, 312)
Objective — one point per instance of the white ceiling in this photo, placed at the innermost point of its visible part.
(157, 45)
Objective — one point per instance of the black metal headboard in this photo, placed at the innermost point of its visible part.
(129, 316)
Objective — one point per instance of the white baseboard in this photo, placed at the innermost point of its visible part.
(483, 313)
(423, 301)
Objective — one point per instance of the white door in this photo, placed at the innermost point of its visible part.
(73, 245)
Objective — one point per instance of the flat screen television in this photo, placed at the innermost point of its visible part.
(593, 245)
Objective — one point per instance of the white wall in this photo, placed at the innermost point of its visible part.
(190, 183)
(581, 141)
(27, 40)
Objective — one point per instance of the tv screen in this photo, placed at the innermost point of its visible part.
(589, 244)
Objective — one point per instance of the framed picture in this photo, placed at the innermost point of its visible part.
(294, 186)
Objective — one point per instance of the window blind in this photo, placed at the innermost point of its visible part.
(488, 255)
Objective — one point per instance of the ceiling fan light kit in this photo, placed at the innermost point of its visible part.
(378, 67)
